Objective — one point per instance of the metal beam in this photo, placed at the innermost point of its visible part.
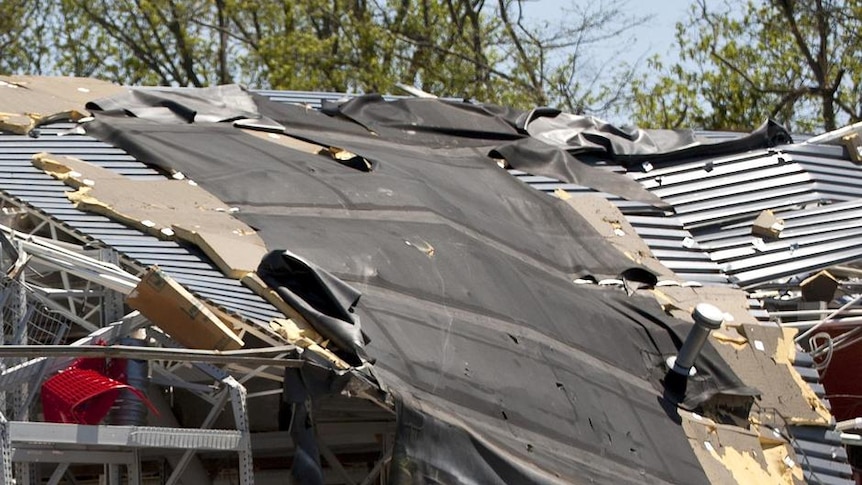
(34, 454)
(247, 357)
(108, 275)
(378, 467)
(125, 436)
(180, 466)
(5, 452)
(333, 462)
(195, 473)
(240, 415)
(134, 468)
(30, 369)
(58, 474)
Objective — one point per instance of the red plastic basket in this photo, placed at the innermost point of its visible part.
(83, 394)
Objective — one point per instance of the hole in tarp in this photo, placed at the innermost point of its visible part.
(639, 275)
(350, 159)
(514, 338)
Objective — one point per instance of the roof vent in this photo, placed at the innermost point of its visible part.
(706, 319)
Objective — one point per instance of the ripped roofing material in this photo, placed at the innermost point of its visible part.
(458, 293)
(166, 209)
(530, 347)
(25, 183)
(29, 101)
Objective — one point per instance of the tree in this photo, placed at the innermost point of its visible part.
(21, 45)
(792, 60)
(458, 48)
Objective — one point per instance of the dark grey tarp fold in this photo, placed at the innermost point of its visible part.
(431, 123)
(321, 298)
(182, 105)
(430, 450)
(538, 158)
(468, 299)
(301, 389)
(401, 122)
(595, 138)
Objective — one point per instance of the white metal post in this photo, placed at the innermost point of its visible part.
(5, 452)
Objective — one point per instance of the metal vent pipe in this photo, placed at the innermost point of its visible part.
(706, 319)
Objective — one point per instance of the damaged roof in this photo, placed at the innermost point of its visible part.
(395, 230)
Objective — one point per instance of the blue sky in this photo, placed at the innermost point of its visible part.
(654, 37)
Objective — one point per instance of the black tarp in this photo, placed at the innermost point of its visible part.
(430, 123)
(322, 299)
(434, 123)
(589, 138)
(538, 158)
(302, 386)
(182, 105)
(468, 302)
(543, 141)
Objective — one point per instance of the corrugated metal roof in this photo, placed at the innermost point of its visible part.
(813, 239)
(716, 192)
(29, 185)
(814, 188)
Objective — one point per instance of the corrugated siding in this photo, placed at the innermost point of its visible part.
(29, 185)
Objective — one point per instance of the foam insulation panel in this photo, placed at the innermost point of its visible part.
(679, 301)
(730, 454)
(613, 226)
(180, 314)
(167, 209)
(764, 362)
(28, 101)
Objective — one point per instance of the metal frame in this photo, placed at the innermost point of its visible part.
(21, 440)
